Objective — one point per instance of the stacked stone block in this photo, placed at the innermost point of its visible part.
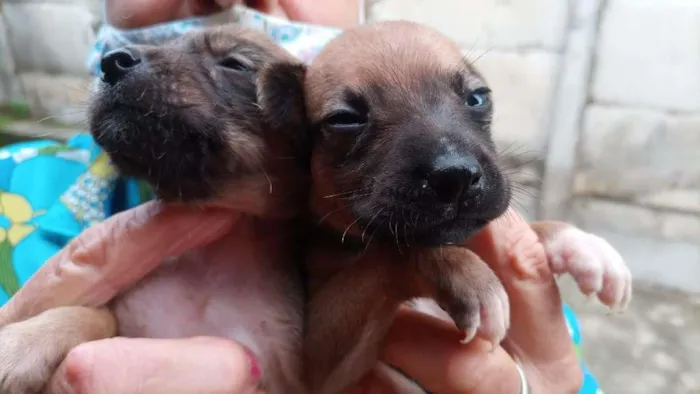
(49, 41)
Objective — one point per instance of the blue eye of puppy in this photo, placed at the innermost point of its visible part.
(233, 63)
(478, 98)
(346, 121)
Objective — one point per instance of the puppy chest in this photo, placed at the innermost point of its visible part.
(193, 298)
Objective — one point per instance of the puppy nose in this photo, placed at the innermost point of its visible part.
(118, 63)
(452, 176)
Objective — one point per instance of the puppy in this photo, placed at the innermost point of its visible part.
(190, 118)
(404, 170)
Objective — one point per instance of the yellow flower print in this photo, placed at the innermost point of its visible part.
(17, 214)
(102, 167)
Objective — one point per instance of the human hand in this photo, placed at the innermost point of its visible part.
(129, 14)
(103, 260)
(112, 255)
(428, 349)
(154, 366)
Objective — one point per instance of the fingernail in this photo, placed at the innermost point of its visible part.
(254, 366)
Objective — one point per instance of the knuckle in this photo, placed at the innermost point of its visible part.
(88, 248)
(92, 247)
(526, 255)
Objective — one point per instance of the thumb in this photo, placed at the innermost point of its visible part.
(152, 366)
(112, 255)
(538, 334)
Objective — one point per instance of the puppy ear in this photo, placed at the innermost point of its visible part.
(282, 102)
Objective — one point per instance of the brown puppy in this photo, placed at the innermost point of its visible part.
(403, 166)
(187, 118)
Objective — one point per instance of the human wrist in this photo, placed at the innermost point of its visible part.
(501, 377)
(565, 377)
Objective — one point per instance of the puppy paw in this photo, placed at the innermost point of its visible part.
(483, 310)
(594, 264)
(26, 364)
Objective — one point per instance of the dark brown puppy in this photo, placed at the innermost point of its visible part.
(187, 118)
(403, 166)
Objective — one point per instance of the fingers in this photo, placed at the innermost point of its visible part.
(154, 366)
(129, 14)
(538, 335)
(271, 7)
(428, 350)
(109, 256)
(339, 13)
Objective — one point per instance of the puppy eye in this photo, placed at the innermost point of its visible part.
(234, 63)
(346, 121)
(478, 98)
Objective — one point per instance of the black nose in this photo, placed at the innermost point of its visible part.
(454, 175)
(118, 63)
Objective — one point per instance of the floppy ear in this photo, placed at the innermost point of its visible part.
(282, 103)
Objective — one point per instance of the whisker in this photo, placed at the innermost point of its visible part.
(356, 196)
(328, 214)
(342, 239)
(372, 236)
(396, 235)
(344, 193)
(370, 223)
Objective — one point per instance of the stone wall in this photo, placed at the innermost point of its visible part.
(46, 42)
(597, 105)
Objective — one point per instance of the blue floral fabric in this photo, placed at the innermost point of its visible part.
(51, 191)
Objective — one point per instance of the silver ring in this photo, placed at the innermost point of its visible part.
(524, 385)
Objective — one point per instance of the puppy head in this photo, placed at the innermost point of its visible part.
(185, 116)
(402, 146)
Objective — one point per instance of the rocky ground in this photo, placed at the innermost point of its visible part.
(653, 348)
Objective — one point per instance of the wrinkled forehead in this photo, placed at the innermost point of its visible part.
(397, 57)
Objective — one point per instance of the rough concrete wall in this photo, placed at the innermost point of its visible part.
(597, 104)
(604, 96)
(48, 41)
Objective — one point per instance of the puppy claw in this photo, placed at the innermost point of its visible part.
(597, 268)
(469, 335)
(489, 319)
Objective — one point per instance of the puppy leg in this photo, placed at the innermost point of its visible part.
(594, 264)
(347, 319)
(32, 349)
(466, 287)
